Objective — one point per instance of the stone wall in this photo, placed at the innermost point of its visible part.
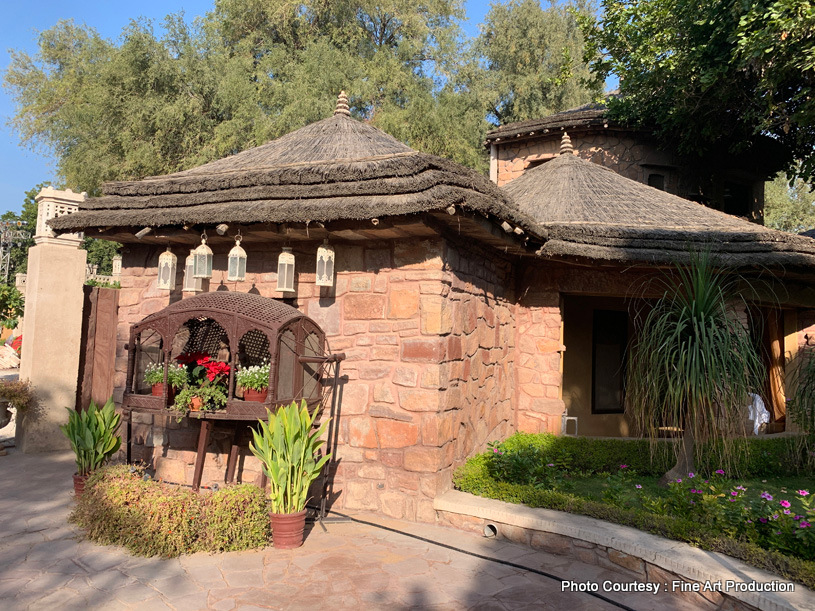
(613, 149)
(428, 335)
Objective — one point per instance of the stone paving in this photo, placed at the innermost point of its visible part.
(45, 564)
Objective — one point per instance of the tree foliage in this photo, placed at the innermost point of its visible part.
(533, 59)
(704, 72)
(251, 70)
(789, 206)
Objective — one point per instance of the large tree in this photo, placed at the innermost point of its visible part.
(252, 70)
(789, 206)
(531, 59)
(701, 73)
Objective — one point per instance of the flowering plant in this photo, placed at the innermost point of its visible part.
(205, 379)
(176, 375)
(202, 370)
(255, 377)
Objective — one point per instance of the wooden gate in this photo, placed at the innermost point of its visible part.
(98, 348)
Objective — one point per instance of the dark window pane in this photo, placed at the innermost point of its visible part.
(609, 339)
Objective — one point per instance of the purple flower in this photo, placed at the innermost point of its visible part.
(787, 512)
(551, 464)
(784, 503)
(623, 466)
(775, 516)
(803, 524)
(742, 488)
(749, 521)
(693, 490)
(734, 493)
(767, 495)
(797, 517)
(693, 502)
(678, 480)
(719, 472)
(690, 475)
(803, 492)
(732, 500)
(638, 486)
(763, 520)
(778, 532)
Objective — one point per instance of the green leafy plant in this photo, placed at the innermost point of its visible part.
(12, 304)
(102, 284)
(255, 377)
(212, 398)
(288, 447)
(176, 375)
(18, 393)
(693, 363)
(802, 404)
(92, 433)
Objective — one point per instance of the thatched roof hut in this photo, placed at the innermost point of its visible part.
(592, 114)
(582, 209)
(337, 168)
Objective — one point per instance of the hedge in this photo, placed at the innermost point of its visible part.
(149, 518)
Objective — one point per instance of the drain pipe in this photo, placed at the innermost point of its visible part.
(490, 530)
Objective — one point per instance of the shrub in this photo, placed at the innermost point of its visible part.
(255, 377)
(149, 518)
(763, 456)
(236, 518)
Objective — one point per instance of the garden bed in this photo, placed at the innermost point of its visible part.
(763, 518)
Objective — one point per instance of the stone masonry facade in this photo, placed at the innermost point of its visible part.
(428, 331)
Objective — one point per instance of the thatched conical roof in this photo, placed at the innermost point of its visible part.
(337, 168)
(586, 210)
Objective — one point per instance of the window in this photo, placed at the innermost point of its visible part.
(657, 181)
(609, 340)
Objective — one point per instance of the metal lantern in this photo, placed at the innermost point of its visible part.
(285, 271)
(236, 268)
(202, 263)
(191, 283)
(325, 265)
(166, 270)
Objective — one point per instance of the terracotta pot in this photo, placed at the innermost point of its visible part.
(287, 529)
(196, 403)
(79, 484)
(158, 390)
(255, 395)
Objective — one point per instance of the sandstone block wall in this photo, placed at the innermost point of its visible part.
(428, 334)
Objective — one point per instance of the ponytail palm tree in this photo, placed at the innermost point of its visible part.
(692, 364)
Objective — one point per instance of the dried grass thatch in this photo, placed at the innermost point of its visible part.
(337, 168)
(586, 210)
(582, 116)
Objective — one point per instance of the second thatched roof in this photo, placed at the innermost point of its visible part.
(337, 168)
(582, 209)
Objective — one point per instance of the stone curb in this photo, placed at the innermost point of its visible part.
(685, 561)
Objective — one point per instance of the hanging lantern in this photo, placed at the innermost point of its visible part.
(236, 268)
(166, 270)
(325, 265)
(285, 271)
(202, 264)
(191, 283)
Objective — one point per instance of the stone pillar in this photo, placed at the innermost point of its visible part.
(53, 324)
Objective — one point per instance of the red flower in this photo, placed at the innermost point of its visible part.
(188, 358)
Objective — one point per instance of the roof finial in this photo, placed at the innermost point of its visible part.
(342, 105)
(566, 145)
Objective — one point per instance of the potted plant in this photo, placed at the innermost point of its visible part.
(93, 438)
(205, 386)
(154, 376)
(287, 446)
(255, 381)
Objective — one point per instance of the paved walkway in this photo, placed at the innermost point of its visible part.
(44, 564)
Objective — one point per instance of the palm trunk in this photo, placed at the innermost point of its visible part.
(684, 460)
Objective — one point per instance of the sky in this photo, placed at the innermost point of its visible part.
(20, 168)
